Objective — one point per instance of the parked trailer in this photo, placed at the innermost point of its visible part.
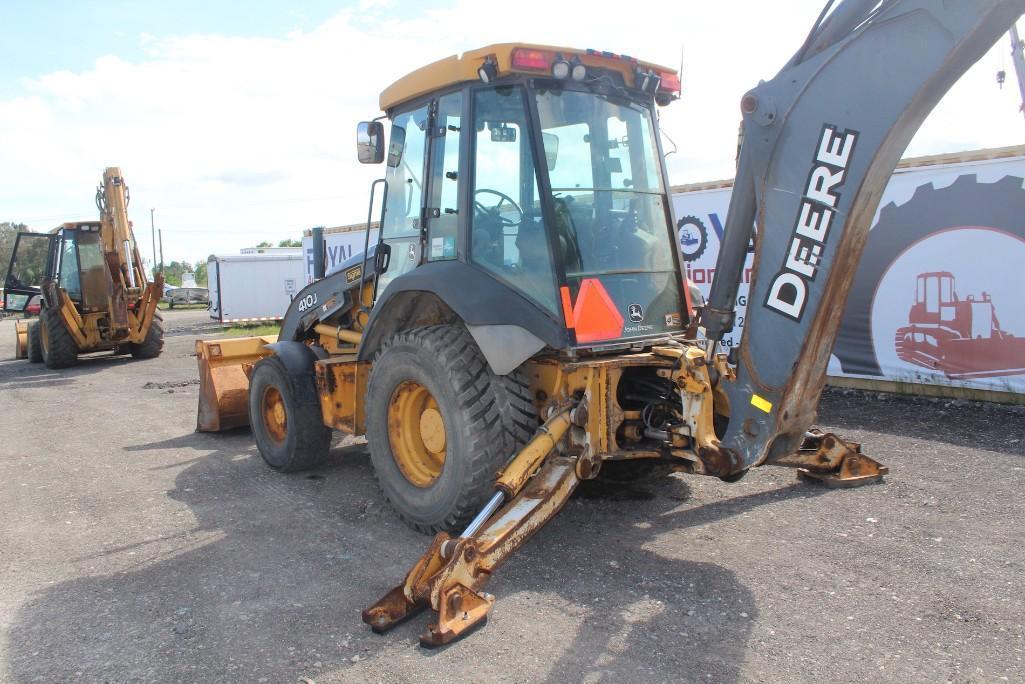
(246, 287)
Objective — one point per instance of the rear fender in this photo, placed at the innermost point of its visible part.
(505, 324)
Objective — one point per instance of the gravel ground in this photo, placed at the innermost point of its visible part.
(133, 549)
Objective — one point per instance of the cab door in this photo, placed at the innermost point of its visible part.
(402, 228)
(28, 268)
(444, 181)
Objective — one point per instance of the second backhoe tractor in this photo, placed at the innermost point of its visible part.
(523, 319)
(88, 280)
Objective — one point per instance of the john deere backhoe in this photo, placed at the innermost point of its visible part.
(89, 281)
(523, 318)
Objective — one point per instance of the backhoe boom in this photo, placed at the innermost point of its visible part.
(821, 140)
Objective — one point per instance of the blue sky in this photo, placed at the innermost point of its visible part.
(53, 35)
(236, 122)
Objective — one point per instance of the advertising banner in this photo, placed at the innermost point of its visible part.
(339, 246)
(939, 296)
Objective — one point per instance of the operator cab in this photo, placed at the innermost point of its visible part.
(71, 255)
(541, 167)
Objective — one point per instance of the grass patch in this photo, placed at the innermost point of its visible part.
(252, 330)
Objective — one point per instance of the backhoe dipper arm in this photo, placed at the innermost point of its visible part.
(821, 140)
(116, 230)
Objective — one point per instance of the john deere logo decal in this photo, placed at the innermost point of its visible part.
(636, 313)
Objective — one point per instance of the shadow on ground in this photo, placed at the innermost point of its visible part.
(265, 576)
(22, 374)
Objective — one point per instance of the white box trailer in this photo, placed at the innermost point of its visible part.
(253, 287)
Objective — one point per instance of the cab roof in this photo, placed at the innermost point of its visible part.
(75, 225)
(462, 68)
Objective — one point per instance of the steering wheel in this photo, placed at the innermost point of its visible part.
(494, 212)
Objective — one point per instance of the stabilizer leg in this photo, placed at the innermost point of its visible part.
(836, 463)
(449, 578)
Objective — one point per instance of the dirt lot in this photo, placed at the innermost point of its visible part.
(133, 549)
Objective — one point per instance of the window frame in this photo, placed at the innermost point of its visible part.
(72, 237)
(545, 187)
(544, 191)
(430, 178)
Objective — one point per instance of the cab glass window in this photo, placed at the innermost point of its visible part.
(69, 281)
(405, 177)
(507, 231)
(443, 228)
(606, 184)
(28, 262)
(95, 282)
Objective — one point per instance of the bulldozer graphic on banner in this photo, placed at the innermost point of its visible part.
(960, 337)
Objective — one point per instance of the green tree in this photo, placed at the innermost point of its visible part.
(291, 242)
(265, 243)
(173, 272)
(201, 277)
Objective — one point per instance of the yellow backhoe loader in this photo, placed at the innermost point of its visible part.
(87, 279)
(523, 318)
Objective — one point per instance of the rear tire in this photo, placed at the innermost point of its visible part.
(151, 347)
(284, 411)
(56, 344)
(485, 420)
(35, 348)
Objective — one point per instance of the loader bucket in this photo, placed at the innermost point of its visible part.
(223, 383)
(21, 341)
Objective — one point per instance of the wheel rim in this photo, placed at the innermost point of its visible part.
(416, 431)
(275, 418)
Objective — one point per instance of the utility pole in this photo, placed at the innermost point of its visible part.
(160, 233)
(153, 235)
(1019, 62)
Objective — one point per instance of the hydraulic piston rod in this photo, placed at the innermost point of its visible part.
(449, 578)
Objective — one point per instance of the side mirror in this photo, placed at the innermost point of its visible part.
(551, 143)
(370, 142)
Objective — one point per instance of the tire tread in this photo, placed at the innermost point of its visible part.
(494, 407)
(151, 347)
(63, 352)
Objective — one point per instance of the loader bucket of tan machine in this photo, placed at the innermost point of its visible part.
(223, 381)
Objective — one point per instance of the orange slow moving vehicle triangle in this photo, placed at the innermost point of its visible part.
(594, 316)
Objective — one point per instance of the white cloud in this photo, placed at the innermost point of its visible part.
(237, 139)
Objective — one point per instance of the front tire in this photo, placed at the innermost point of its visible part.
(151, 347)
(284, 411)
(57, 346)
(35, 348)
(440, 425)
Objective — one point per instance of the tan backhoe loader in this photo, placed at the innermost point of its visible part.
(523, 318)
(88, 280)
